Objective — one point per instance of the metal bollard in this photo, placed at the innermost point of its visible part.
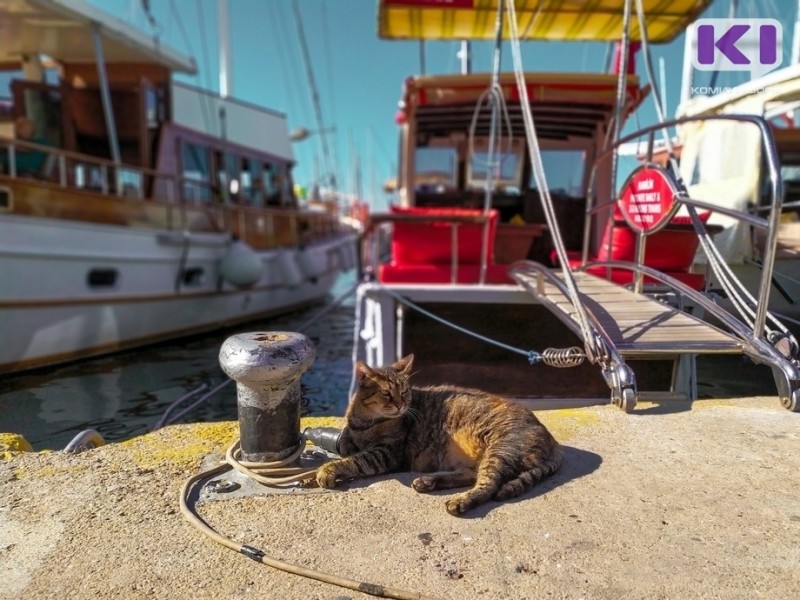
(267, 367)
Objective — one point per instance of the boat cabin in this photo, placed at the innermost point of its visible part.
(121, 142)
(446, 139)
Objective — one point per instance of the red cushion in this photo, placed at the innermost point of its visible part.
(438, 273)
(665, 250)
(431, 243)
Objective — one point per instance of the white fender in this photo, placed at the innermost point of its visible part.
(241, 265)
(288, 268)
(306, 262)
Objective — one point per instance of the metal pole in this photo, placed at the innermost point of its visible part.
(465, 54)
(224, 49)
(105, 95)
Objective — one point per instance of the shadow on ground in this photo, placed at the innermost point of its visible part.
(577, 463)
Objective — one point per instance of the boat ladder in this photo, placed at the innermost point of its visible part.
(630, 325)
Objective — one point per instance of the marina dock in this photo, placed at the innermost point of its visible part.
(676, 500)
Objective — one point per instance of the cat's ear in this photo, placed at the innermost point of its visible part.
(363, 371)
(404, 364)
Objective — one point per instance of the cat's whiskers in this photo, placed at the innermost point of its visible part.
(413, 414)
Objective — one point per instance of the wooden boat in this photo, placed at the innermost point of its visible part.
(153, 209)
(514, 251)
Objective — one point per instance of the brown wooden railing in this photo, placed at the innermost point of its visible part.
(86, 188)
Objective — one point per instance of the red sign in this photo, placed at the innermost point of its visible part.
(647, 199)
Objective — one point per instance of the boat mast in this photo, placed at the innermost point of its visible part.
(224, 49)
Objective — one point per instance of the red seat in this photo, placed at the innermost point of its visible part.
(670, 250)
(422, 252)
(438, 273)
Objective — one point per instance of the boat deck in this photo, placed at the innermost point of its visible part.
(636, 324)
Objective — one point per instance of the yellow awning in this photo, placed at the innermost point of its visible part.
(555, 20)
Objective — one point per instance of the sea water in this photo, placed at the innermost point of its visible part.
(126, 394)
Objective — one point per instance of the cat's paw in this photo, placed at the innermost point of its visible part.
(326, 476)
(458, 505)
(424, 484)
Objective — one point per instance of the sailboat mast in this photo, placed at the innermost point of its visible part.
(224, 49)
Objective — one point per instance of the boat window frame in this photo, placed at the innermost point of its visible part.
(442, 143)
(586, 145)
(202, 185)
(508, 146)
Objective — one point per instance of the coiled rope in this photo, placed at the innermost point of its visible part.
(278, 473)
(553, 357)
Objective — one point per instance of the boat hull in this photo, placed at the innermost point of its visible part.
(73, 290)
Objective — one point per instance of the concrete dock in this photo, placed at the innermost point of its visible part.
(677, 500)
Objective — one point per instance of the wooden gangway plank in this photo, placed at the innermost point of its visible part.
(637, 325)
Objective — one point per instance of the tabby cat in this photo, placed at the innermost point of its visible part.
(460, 437)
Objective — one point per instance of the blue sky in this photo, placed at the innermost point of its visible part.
(358, 76)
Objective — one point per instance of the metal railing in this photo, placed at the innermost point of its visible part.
(750, 308)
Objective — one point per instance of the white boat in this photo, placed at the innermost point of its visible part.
(514, 250)
(153, 209)
(733, 177)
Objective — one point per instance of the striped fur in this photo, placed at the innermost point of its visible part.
(458, 437)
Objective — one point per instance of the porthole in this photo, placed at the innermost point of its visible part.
(5, 198)
(194, 276)
(102, 278)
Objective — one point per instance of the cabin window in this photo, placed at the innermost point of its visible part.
(252, 183)
(275, 184)
(233, 171)
(5, 199)
(564, 171)
(505, 166)
(196, 173)
(89, 176)
(436, 169)
(130, 183)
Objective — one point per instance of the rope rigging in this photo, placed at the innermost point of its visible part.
(553, 357)
(592, 350)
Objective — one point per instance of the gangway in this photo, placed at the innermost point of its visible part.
(618, 323)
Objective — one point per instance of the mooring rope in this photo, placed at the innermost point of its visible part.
(553, 357)
(277, 473)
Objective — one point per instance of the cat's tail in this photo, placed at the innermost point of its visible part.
(527, 479)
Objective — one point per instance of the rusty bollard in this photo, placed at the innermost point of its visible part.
(267, 367)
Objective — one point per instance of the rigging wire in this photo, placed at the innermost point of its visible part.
(293, 87)
(312, 88)
(553, 357)
(331, 95)
(185, 36)
(590, 340)
(648, 65)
